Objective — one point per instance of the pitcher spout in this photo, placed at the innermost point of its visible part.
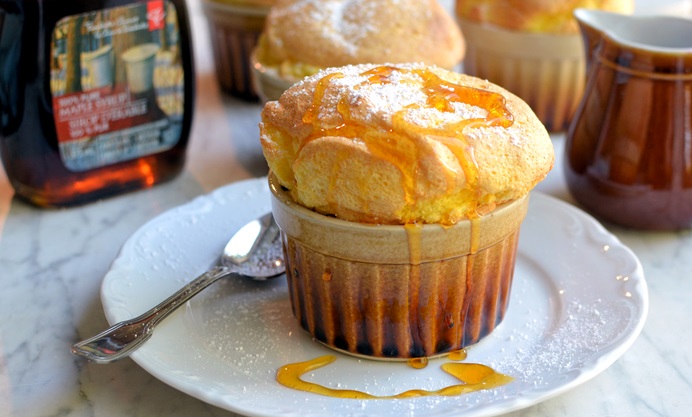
(601, 20)
(667, 34)
(594, 26)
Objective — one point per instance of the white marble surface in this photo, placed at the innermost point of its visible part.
(52, 263)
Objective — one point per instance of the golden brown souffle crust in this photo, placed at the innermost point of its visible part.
(400, 191)
(330, 33)
(403, 144)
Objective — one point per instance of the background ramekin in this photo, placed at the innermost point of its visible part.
(545, 70)
(234, 30)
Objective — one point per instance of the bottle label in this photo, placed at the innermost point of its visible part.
(118, 84)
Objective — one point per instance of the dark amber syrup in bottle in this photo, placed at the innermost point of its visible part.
(47, 142)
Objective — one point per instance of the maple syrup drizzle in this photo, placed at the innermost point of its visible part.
(413, 233)
(421, 363)
(399, 144)
(311, 115)
(458, 355)
(475, 233)
(418, 363)
(473, 377)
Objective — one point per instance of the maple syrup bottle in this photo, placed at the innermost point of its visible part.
(96, 96)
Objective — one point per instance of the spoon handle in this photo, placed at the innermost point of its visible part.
(125, 337)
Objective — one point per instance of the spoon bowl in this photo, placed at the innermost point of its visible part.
(254, 251)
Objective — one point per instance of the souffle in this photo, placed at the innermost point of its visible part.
(400, 190)
(303, 36)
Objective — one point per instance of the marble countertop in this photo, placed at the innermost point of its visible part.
(52, 263)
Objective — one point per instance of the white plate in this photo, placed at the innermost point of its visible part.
(578, 302)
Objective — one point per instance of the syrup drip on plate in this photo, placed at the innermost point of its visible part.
(458, 355)
(418, 363)
(422, 363)
(472, 376)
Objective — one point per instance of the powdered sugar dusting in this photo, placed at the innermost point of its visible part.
(512, 136)
(335, 18)
(587, 329)
(427, 116)
(377, 103)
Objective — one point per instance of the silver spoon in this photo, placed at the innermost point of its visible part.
(254, 251)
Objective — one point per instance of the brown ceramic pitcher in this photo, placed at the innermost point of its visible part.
(628, 155)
